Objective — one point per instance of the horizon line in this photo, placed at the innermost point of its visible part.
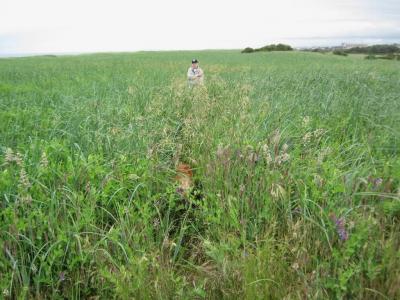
(76, 53)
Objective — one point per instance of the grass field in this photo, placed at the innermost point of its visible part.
(295, 158)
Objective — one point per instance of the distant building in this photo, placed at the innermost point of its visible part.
(349, 46)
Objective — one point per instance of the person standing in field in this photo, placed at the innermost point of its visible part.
(195, 74)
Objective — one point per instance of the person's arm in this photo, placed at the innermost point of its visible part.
(200, 73)
(190, 74)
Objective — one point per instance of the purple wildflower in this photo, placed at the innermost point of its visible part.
(341, 228)
(62, 276)
(377, 182)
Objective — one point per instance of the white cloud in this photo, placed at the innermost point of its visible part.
(87, 26)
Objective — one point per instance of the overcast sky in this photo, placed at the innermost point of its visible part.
(65, 26)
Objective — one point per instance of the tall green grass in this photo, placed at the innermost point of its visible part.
(296, 156)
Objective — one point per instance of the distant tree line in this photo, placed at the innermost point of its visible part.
(390, 56)
(384, 51)
(374, 52)
(375, 49)
(272, 47)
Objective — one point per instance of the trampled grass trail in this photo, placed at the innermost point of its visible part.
(296, 177)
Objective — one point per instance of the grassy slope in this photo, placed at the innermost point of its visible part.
(283, 144)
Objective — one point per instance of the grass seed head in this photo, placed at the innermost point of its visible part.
(43, 160)
(285, 157)
(276, 138)
(9, 156)
(23, 179)
(307, 138)
(18, 158)
(306, 121)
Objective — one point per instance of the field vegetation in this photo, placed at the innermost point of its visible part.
(294, 188)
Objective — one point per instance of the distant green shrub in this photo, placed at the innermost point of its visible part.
(248, 50)
(319, 50)
(370, 56)
(339, 52)
(273, 47)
